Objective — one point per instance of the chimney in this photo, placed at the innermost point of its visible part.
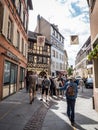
(38, 24)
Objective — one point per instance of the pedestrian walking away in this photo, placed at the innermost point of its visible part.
(45, 87)
(71, 95)
(81, 84)
(32, 86)
(52, 87)
(27, 81)
(40, 79)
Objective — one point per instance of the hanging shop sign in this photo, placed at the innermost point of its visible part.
(74, 40)
(40, 40)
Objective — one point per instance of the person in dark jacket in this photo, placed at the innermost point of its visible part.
(52, 87)
(45, 87)
(27, 81)
(71, 99)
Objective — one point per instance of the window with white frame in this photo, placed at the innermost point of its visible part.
(61, 66)
(57, 65)
(18, 40)
(44, 60)
(53, 53)
(53, 64)
(10, 30)
(56, 54)
(18, 8)
(22, 46)
(25, 53)
(24, 18)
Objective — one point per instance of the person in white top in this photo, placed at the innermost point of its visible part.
(40, 79)
(81, 84)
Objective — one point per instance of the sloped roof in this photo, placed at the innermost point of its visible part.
(33, 36)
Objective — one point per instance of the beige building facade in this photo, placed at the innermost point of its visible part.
(56, 39)
(83, 67)
(93, 9)
(13, 45)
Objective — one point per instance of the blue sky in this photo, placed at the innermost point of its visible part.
(71, 16)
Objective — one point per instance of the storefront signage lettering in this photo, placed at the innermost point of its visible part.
(12, 56)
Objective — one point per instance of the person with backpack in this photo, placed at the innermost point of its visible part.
(71, 95)
(45, 87)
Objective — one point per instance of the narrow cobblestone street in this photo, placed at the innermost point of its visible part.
(16, 113)
(48, 64)
(36, 121)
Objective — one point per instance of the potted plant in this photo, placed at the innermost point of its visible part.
(93, 54)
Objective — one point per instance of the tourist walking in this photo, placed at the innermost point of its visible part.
(52, 87)
(71, 95)
(39, 87)
(27, 81)
(45, 87)
(32, 85)
(81, 84)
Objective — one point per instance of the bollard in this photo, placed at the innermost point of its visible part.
(93, 102)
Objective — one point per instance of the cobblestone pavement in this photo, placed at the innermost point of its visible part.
(17, 114)
(36, 121)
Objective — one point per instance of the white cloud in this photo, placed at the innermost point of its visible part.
(70, 16)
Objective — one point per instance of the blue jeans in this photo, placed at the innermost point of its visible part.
(71, 109)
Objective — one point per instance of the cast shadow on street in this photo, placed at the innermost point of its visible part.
(83, 120)
(87, 93)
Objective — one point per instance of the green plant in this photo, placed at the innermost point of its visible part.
(69, 71)
(93, 54)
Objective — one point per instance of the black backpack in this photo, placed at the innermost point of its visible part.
(46, 83)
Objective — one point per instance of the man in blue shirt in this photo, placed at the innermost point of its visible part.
(71, 98)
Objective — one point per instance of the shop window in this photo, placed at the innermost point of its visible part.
(13, 72)
(10, 78)
(10, 73)
(22, 77)
(22, 74)
(7, 66)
